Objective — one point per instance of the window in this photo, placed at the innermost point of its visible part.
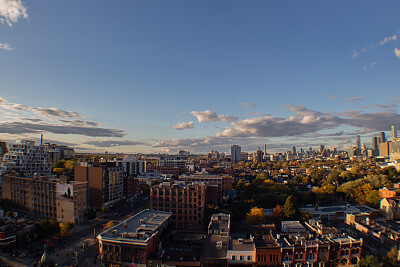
(241, 257)
(233, 257)
(249, 258)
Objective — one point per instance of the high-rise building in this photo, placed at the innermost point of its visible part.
(394, 133)
(258, 156)
(265, 150)
(358, 141)
(375, 143)
(321, 148)
(293, 150)
(382, 137)
(236, 153)
(105, 182)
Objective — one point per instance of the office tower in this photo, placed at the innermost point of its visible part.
(374, 142)
(358, 141)
(394, 132)
(258, 156)
(265, 149)
(382, 137)
(293, 150)
(236, 153)
(321, 148)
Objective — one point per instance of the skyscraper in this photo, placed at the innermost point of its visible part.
(235, 153)
(374, 142)
(358, 141)
(265, 149)
(293, 150)
(394, 132)
(382, 137)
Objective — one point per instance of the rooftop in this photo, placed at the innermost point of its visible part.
(138, 228)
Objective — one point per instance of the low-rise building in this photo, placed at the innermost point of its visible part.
(134, 240)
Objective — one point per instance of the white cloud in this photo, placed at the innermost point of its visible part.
(183, 125)
(388, 39)
(209, 116)
(397, 52)
(11, 11)
(5, 46)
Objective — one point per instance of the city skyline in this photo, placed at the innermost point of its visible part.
(166, 76)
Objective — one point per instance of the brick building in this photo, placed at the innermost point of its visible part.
(105, 182)
(224, 183)
(186, 201)
(134, 240)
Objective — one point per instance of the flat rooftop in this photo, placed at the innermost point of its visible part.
(137, 228)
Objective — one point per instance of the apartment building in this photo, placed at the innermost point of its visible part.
(105, 182)
(47, 198)
(187, 202)
(27, 158)
(224, 183)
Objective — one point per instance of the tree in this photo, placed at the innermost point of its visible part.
(109, 225)
(289, 209)
(255, 216)
(277, 212)
(65, 227)
(48, 227)
(392, 256)
(369, 261)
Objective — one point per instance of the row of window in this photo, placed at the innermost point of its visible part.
(241, 258)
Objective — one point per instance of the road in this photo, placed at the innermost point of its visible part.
(81, 246)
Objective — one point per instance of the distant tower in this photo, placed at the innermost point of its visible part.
(321, 148)
(265, 149)
(374, 142)
(382, 137)
(358, 141)
(236, 153)
(293, 150)
(394, 133)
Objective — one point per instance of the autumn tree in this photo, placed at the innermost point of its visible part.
(109, 225)
(255, 216)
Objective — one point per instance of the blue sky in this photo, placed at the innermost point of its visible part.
(158, 76)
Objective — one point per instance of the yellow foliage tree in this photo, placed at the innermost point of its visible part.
(109, 225)
(255, 216)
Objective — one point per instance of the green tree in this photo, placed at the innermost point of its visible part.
(369, 261)
(289, 209)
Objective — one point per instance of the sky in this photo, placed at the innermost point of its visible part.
(161, 76)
